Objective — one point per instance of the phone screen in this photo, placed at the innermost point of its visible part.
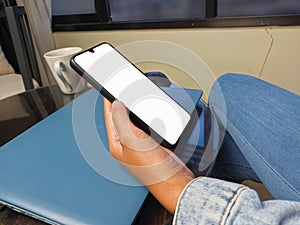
(126, 83)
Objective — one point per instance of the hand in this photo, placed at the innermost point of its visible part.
(164, 174)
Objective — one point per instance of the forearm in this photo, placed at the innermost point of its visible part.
(169, 191)
(163, 174)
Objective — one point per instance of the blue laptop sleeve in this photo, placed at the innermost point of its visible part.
(60, 170)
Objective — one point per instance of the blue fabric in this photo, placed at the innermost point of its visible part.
(211, 201)
(264, 122)
(262, 143)
(231, 165)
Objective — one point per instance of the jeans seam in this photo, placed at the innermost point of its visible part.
(267, 164)
(231, 203)
(223, 118)
(236, 165)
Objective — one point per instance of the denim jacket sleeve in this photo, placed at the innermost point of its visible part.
(211, 201)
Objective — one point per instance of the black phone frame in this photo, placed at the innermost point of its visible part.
(183, 138)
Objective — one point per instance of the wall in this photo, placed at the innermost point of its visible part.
(270, 53)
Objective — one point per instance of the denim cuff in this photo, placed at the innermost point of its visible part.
(206, 201)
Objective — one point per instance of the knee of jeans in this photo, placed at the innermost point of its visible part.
(217, 89)
(216, 97)
(225, 85)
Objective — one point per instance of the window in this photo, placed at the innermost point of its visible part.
(60, 7)
(143, 14)
(238, 8)
(156, 9)
(79, 11)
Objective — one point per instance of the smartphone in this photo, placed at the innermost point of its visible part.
(150, 108)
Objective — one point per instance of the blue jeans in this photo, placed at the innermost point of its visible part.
(262, 139)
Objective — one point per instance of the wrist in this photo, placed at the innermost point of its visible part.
(169, 191)
(156, 167)
(137, 158)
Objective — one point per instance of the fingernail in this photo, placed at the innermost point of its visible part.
(115, 104)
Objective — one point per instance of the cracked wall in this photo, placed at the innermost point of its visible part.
(282, 66)
(270, 53)
(269, 34)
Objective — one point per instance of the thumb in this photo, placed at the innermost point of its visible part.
(121, 119)
(128, 133)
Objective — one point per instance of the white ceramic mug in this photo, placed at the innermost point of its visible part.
(59, 62)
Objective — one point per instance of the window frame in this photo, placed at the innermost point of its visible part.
(101, 15)
(101, 20)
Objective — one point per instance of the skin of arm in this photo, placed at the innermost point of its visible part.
(162, 172)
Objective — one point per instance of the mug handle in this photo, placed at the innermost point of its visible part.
(59, 67)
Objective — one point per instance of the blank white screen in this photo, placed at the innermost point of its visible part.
(140, 95)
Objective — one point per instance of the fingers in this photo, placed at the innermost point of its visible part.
(112, 133)
(131, 136)
(108, 118)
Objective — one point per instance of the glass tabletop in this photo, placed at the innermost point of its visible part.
(21, 111)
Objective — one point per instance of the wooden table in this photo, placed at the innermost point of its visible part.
(20, 112)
